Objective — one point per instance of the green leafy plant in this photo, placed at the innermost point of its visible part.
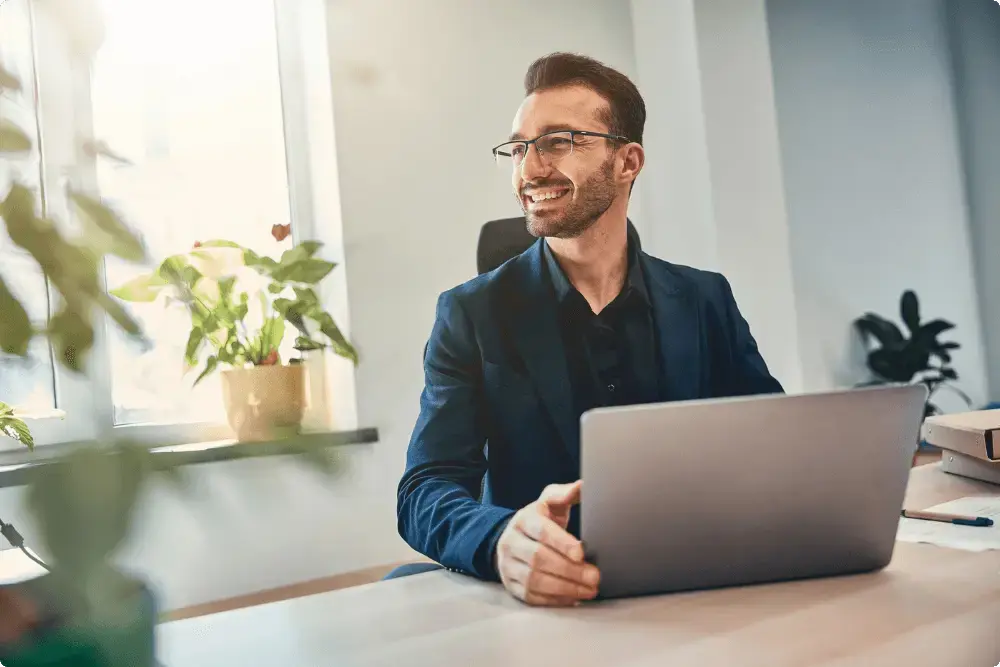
(83, 502)
(239, 303)
(14, 427)
(71, 264)
(917, 357)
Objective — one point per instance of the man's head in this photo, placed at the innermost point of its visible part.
(588, 121)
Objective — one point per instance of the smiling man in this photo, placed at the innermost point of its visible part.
(582, 319)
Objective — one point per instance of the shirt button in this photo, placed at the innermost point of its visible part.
(611, 388)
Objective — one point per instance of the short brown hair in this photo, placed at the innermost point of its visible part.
(626, 113)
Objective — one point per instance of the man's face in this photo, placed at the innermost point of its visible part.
(562, 197)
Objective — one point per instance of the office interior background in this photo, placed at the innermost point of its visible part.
(825, 156)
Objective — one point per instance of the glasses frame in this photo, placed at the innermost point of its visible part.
(573, 134)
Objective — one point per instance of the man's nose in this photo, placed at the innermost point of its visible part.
(534, 165)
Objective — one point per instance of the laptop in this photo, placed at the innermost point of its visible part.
(736, 491)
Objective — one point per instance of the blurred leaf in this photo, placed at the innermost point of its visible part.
(98, 148)
(15, 326)
(210, 365)
(141, 289)
(220, 243)
(72, 337)
(194, 343)
(8, 81)
(935, 328)
(121, 241)
(83, 503)
(309, 271)
(884, 331)
(272, 334)
(13, 139)
(15, 428)
(909, 308)
(263, 265)
(340, 344)
(304, 344)
(121, 317)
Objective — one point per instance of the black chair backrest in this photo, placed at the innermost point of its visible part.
(500, 240)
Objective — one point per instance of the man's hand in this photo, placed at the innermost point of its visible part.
(538, 561)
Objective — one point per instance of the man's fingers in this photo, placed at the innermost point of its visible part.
(545, 530)
(562, 494)
(544, 588)
(544, 558)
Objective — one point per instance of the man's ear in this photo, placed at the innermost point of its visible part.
(633, 159)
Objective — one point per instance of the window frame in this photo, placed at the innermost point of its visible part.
(85, 404)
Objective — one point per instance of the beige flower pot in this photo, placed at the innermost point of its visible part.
(264, 402)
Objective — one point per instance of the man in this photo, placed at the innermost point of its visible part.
(582, 319)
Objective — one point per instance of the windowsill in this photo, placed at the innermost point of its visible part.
(17, 467)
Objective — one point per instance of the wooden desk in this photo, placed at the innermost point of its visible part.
(931, 606)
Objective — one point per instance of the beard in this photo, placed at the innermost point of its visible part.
(592, 199)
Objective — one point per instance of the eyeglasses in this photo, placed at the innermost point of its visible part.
(551, 146)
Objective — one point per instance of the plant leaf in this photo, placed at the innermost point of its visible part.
(72, 337)
(194, 343)
(210, 365)
(909, 310)
(308, 271)
(884, 331)
(15, 326)
(339, 343)
(13, 139)
(935, 328)
(8, 81)
(141, 289)
(120, 240)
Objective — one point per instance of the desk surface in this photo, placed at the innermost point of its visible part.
(931, 606)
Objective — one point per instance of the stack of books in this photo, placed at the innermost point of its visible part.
(969, 443)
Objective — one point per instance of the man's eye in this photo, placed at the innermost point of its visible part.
(517, 150)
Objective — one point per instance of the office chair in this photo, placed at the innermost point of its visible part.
(500, 240)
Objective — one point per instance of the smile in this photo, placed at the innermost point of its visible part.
(536, 197)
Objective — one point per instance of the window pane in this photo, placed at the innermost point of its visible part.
(190, 94)
(28, 383)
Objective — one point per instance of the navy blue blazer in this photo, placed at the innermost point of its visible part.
(497, 399)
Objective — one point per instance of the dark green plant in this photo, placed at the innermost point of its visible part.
(916, 356)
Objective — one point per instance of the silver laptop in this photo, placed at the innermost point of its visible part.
(724, 492)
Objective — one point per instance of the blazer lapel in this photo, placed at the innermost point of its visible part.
(677, 319)
(537, 338)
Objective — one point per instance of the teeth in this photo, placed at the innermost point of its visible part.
(547, 195)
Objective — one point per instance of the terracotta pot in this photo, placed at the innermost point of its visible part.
(264, 402)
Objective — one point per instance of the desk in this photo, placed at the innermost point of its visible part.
(931, 606)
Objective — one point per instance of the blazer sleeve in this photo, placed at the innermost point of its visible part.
(747, 373)
(438, 509)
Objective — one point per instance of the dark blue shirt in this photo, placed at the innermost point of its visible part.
(611, 356)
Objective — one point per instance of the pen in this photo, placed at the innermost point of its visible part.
(956, 519)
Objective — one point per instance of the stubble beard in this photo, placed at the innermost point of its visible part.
(593, 199)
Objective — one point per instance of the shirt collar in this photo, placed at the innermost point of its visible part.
(635, 283)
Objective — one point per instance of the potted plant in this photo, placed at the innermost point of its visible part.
(240, 304)
(915, 356)
(87, 612)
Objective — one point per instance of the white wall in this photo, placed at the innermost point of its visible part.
(873, 176)
(975, 39)
(714, 192)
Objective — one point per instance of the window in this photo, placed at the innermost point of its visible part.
(217, 105)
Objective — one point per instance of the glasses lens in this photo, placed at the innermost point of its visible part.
(556, 145)
(509, 154)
